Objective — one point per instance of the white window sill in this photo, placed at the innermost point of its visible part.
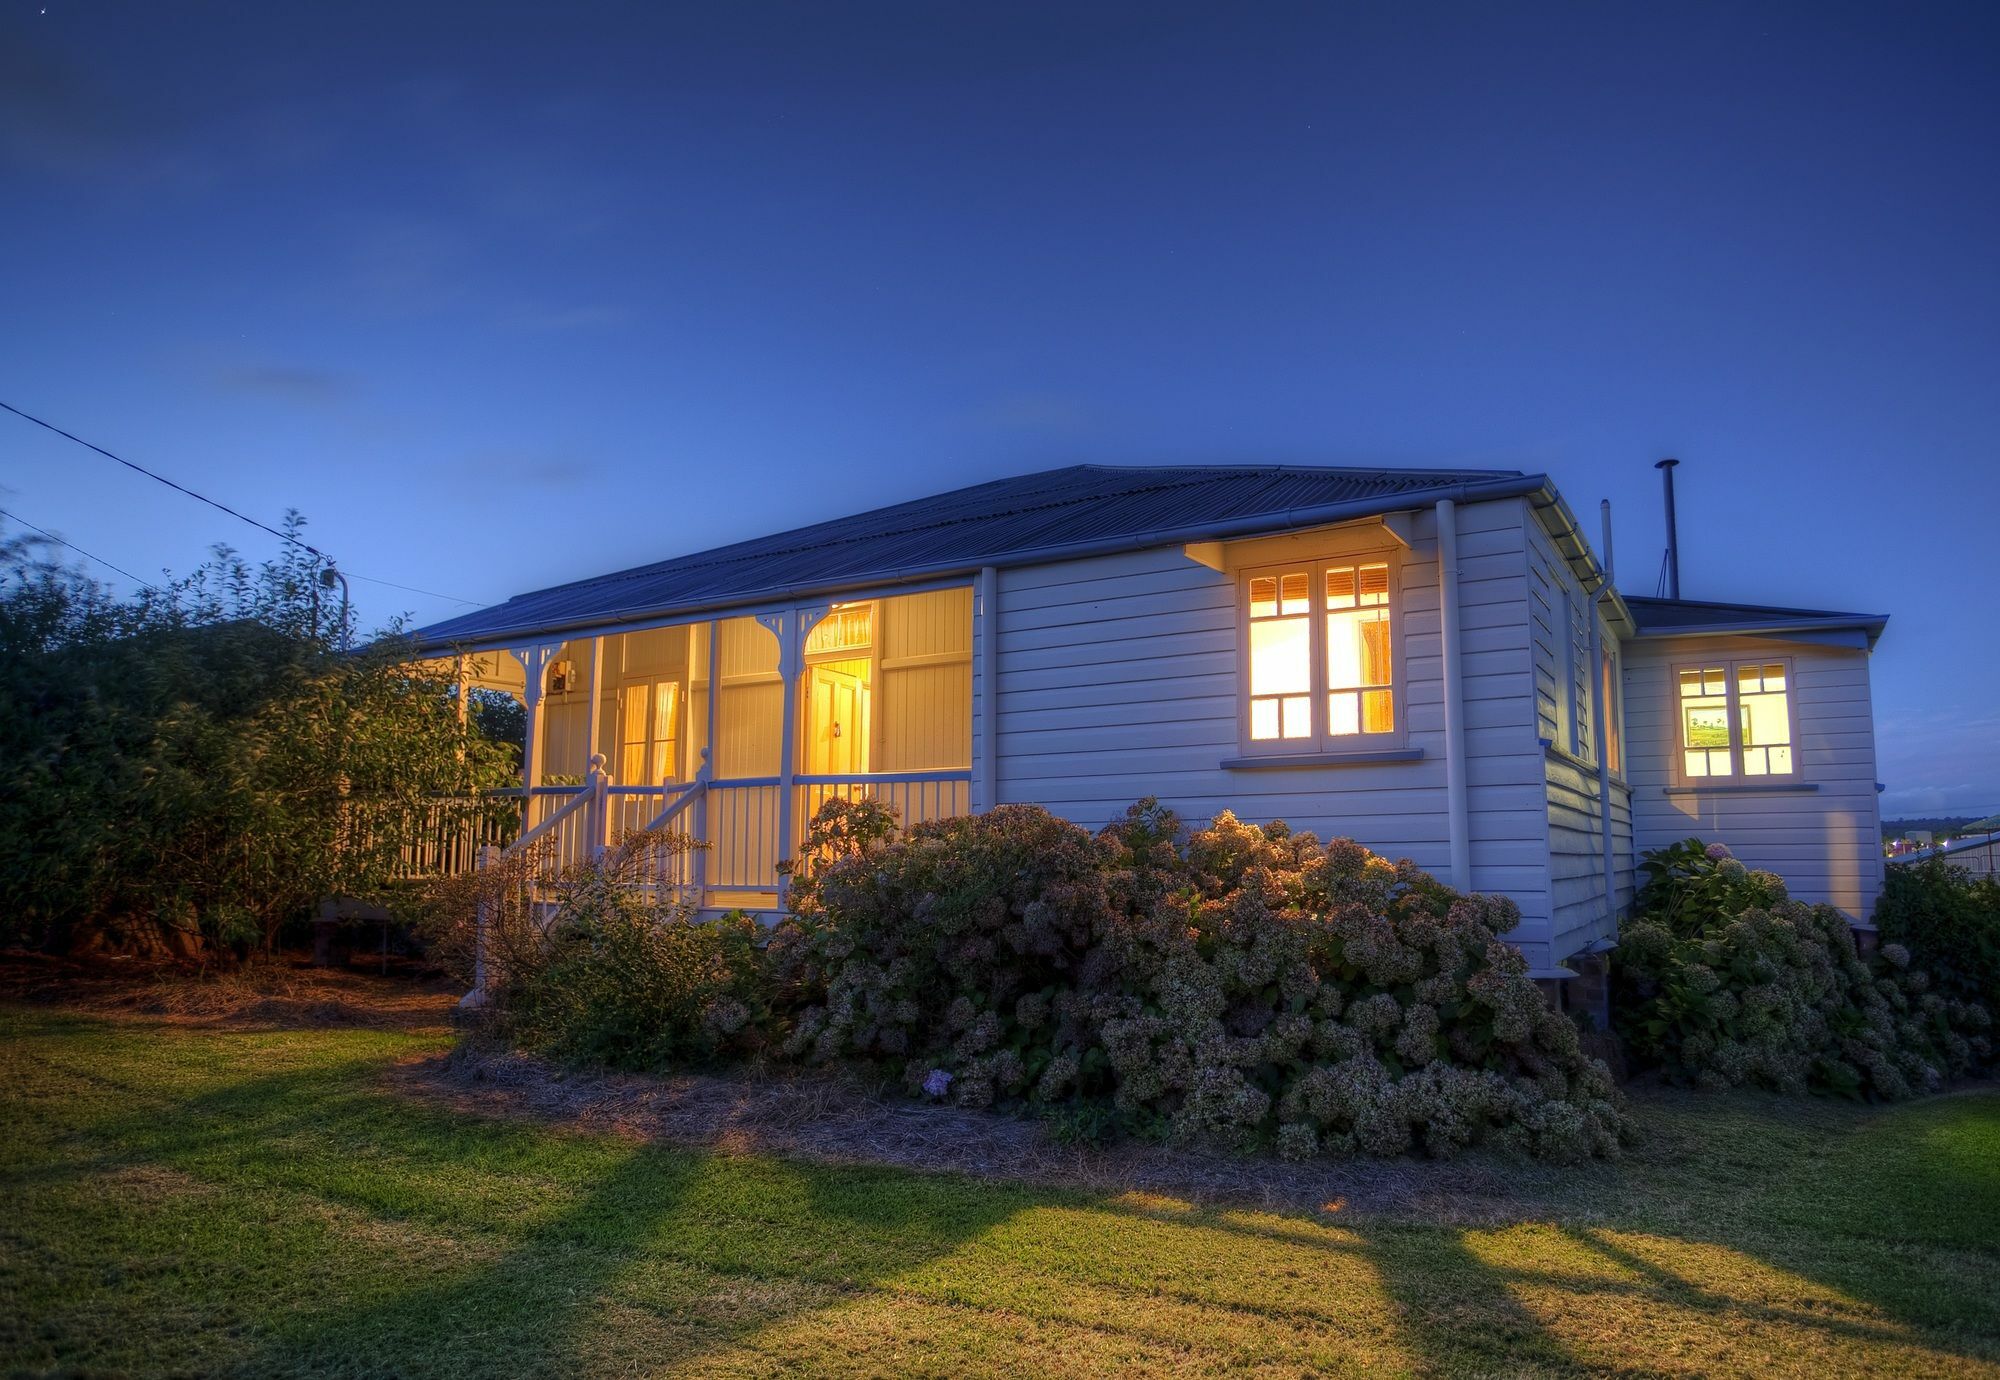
(1745, 788)
(1360, 757)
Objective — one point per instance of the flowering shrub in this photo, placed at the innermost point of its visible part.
(1240, 986)
(1723, 980)
(621, 974)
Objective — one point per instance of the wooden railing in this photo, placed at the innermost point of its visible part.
(738, 818)
(427, 839)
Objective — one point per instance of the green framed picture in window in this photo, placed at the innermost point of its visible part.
(1707, 727)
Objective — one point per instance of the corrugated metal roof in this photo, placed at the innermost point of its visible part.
(1660, 617)
(1005, 522)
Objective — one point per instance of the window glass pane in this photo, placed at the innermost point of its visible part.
(1712, 682)
(1340, 587)
(1298, 717)
(1697, 763)
(1378, 711)
(1774, 677)
(1357, 649)
(1608, 695)
(1292, 591)
(846, 628)
(1781, 760)
(1263, 719)
(1263, 596)
(1375, 584)
(666, 701)
(1357, 658)
(1280, 657)
(1343, 715)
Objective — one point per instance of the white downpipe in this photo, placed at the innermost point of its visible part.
(989, 688)
(1457, 808)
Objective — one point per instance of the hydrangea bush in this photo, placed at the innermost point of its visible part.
(1240, 986)
(622, 974)
(1723, 980)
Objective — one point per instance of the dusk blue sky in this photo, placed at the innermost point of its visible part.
(504, 296)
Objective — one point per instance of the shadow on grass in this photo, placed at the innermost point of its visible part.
(432, 1243)
(516, 1250)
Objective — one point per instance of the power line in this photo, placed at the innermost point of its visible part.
(61, 541)
(222, 507)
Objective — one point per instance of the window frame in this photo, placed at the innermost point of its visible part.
(1320, 742)
(1737, 779)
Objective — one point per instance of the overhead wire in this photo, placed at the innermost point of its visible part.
(64, 541)
(224, 507)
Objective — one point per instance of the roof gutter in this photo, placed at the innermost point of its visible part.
(1536, 486)
(1872, 624)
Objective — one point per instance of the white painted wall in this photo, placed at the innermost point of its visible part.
(1567, 704)
(1825, 842)
(1119, 674)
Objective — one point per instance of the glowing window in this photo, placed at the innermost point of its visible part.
(648, 732)
(1764, 717)
(1280, 657)
(1360, 697)
(1321, 659)
(846, 628)
(1736, 718)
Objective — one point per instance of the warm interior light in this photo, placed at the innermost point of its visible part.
(1280, 660)
(1358, 672)
(1704, 696)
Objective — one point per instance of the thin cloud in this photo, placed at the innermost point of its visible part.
(554, 468)
(311, 387)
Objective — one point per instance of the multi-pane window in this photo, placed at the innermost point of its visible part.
(1735, 719)
(1322, 671)
(1763, 710)
(1281, 656)
(1359, 695)
(648, 732)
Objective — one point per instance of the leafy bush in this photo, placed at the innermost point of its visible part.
(621, 975)
(1723, 980)
(1950, 923)
(1240, 986)
(199, 764)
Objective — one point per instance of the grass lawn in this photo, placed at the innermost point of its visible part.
(195, 1201)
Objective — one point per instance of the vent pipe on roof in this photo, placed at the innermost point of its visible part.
(1666, 469)
(1604, 511)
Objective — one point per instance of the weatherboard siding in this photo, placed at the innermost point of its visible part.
(1119, 678)
(1566, 706)
(1825, 842)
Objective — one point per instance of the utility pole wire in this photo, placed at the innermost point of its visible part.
(61, 541)
(222, 507)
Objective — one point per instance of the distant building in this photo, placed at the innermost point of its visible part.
(1975, 855)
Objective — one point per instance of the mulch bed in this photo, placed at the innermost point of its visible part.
(836, 1120)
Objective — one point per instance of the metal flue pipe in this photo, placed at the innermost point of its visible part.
(1666, 469)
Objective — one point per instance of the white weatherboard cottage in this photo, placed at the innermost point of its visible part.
(1431, 662)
